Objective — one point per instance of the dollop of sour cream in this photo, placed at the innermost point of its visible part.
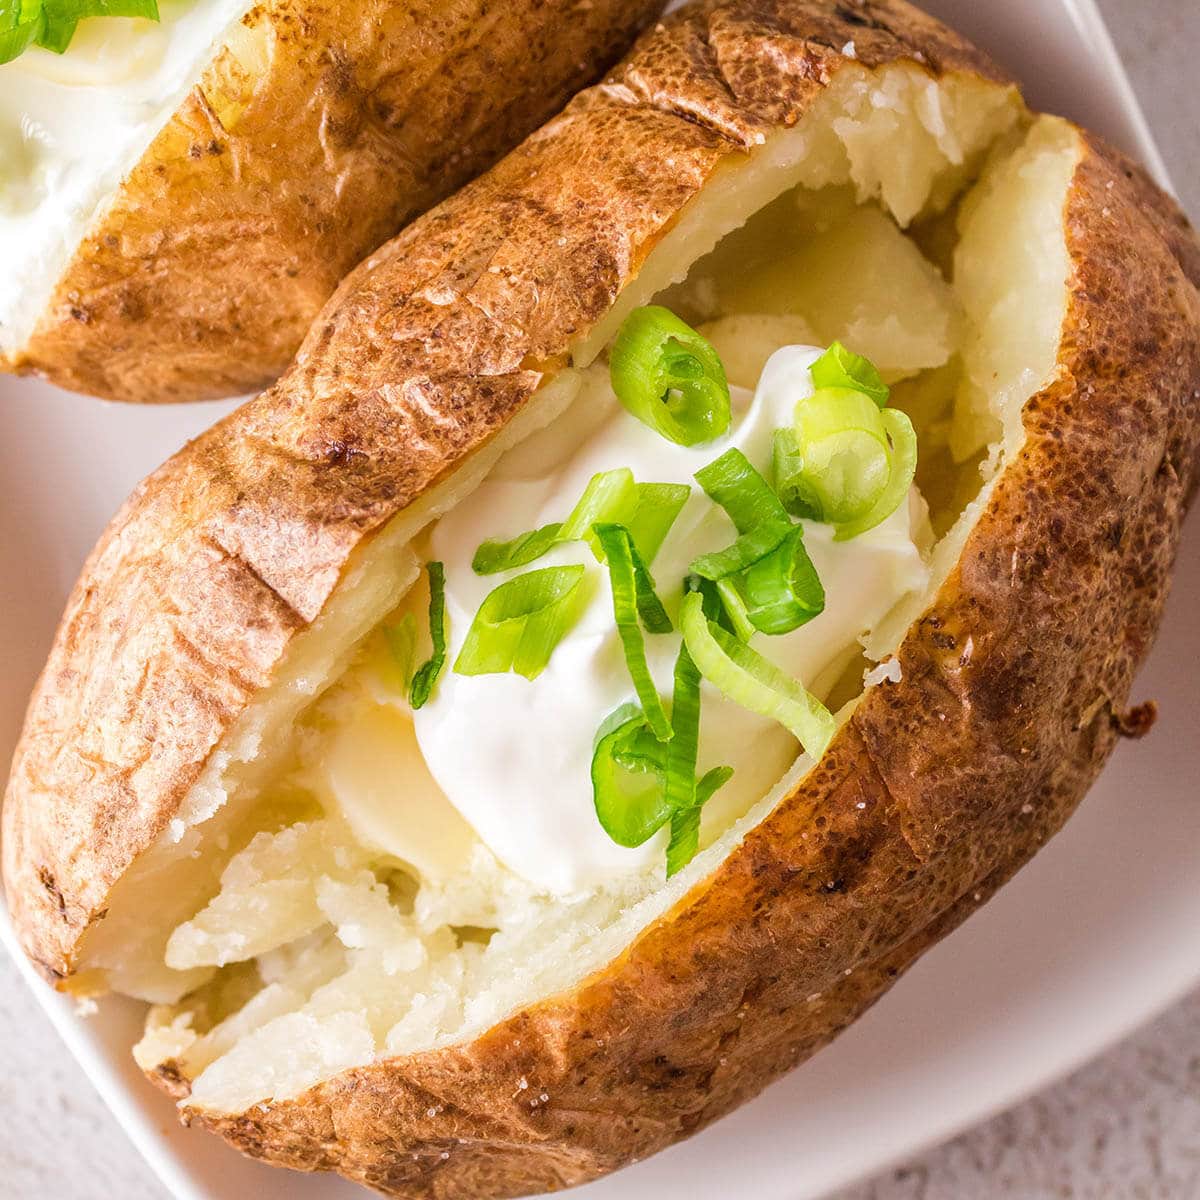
(513, 755)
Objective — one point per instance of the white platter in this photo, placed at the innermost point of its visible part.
(1094, 938)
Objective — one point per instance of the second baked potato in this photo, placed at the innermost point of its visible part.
(178, 200)
(396, 940)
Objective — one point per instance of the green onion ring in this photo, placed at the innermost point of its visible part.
(669, 377)
(627, 790)
(903, 469)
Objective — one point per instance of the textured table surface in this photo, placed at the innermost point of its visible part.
(1126, 1127)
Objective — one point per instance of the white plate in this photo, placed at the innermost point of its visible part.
(1092, 939)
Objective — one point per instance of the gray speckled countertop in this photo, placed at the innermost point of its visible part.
(1126, 1127)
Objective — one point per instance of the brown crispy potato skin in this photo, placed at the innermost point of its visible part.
(264, 189)
(935, 792)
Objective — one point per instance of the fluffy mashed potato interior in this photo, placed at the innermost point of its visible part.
(299, 919)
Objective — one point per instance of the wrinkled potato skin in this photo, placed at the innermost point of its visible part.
(1015, 681)
(264, 189)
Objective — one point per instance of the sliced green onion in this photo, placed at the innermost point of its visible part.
(782, 590)
(734, 610)
(627, 790)
(401, 638)
(647, 510)
(685, 797)
(722, 604)
(670, 377)
(640, 750)
(649, 607)
(639, 783)
(609, 496)
(427, 674)
(756, 512)
(680, 785)
(51, 24)
(748, 679)
(685, 826)
(22, 22)
(732, 482)
(838, 368)
(685, 839)
(520, 623)
(746, 551)
(903, 468)
(57, 34)
(787, 477)
(711, 783)
(494, 555)
(657, 507)
(845, 452)
(623, 574)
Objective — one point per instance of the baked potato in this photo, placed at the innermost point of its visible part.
(180, 199)
(228, 799)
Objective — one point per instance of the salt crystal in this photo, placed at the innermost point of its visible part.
(888, 671)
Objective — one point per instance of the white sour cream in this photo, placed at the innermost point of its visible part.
(513, 755)
(71, 127)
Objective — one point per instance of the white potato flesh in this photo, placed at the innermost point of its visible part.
(1009, 265)
(860, 281)
(747, 340)
(411, 954)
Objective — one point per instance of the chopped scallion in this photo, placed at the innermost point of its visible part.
(633, 595)
(685, 826)
(838, 368)
(609, 496)
(844, 450)
(647, 510)
(781, 591)
(627, 789)
(732, 482)
(748, 679)
(756, 512)
(427, 674)
(657, 507)
(520, 623)
(903, 462)
(670, 377)
(51, 24)
(494, 555)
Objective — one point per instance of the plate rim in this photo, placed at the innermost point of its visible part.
(141, 1117)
